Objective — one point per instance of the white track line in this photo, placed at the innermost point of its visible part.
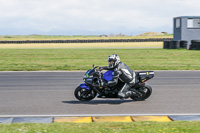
(81, 115)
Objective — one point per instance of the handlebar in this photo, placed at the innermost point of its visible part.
(98, 70)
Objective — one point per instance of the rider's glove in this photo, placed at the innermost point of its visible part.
(100, 68)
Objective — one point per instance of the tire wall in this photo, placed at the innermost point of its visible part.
(175, 44)
(195, 45)
(88, 41)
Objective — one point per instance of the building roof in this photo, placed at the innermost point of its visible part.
(188, 17)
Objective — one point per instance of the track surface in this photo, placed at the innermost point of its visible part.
(51, 93)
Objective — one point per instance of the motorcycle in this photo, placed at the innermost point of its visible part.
(93, 85)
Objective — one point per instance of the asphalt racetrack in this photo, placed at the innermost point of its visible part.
(52, 93)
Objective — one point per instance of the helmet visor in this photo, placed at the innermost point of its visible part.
(111, 63)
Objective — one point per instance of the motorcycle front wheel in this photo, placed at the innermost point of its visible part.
(83, 94)
(145, 91)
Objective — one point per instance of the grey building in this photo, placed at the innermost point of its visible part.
(187, 28)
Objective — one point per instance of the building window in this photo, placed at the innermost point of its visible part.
(178, 23)
(193, 23)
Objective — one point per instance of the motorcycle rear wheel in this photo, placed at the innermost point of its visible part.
(83, 94)
(145, 95)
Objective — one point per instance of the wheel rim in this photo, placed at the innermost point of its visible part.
(141, 90)
(144, 91)
(84, 94)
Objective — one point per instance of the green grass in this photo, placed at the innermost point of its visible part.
(134, 127)
(82, 59)
(62, 37)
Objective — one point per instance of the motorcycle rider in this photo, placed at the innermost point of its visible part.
(121, 72)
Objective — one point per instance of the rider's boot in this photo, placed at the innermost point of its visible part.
(124, 93)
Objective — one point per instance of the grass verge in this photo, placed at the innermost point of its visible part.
(82, 59)
(134, 127)
(83, 45)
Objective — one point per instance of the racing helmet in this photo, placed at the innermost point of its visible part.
(113, 60)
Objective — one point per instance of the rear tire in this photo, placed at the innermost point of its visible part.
(146, 92)
(83, 94)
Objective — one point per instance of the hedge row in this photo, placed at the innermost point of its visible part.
(90, 41)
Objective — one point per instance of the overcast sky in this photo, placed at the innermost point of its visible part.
(92, 17)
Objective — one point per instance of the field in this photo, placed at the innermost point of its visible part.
(102, 127)
(82, 58)
(120, 45)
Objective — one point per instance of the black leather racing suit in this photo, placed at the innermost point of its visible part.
(125, 74)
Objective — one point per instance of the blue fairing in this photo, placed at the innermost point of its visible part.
(85, 86)
(108, 75)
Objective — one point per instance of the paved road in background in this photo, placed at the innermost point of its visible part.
(51, 93)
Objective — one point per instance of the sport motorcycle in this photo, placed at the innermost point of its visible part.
(93, 85)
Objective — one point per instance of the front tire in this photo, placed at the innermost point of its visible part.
(83, 94)
(145, 91)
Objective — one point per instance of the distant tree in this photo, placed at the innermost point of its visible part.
(103, 35)
(120, 35)
(112, 35)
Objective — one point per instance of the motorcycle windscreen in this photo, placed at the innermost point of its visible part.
(108, 75)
